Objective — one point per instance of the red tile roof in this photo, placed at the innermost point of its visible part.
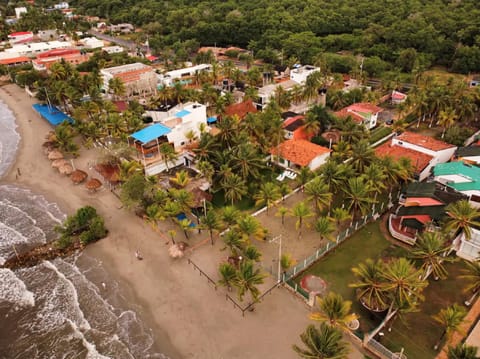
(20, 33)
(300, 152)
(14, 60)
(419, 160)
(422, 218)
(398, 95)
(358, 111)
(424, 141)
(241, 109)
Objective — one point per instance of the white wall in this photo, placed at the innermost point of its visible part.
(468, 249)
(318, 161)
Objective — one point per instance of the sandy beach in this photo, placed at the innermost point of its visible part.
(189, 318)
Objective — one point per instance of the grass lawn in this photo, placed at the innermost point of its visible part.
(420, 325)
(335, 268)
(415, 332)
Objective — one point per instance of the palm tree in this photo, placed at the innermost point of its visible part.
(342, 150)
(286, 261)
(325, 228)
(247, 161)
(211, 222)
(462, 217)
(334, 311)
(450, 319)
(431, 250)
(375, 177)
(181, 179)
(116, 87)
(362, 155)
(252, 253)
(168, 154)
(369, 286)
(267, 195)
(171, 209)
(183, 198)
(312, 124)
(249, 227)
(229, 216)
(317, 191)
(233, 241)
(358, 193)
(333, 174)
(323, 343)
(446, 119)
(227, 274)
(472, 274)
(300, 211)
(235, 187)
(303, 176)
(281, 212)
(462, 351)
(247, 279)
(340, 215)
(172, 233)
(186, 226)
(403, 284)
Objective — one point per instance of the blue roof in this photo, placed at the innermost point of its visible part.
(151, 133)
(182, 113)
(212, 119)
(52, 114)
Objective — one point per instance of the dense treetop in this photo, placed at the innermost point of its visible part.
(431, 31)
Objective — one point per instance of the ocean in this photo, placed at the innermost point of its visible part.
(65, 308)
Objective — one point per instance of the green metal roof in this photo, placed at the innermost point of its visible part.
(472, 173)
(468, 151)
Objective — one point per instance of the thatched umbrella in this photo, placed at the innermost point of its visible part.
(55, 155)
(66, 169)
(59, 163)
(78, 176)
(93, 184)
(177, 250)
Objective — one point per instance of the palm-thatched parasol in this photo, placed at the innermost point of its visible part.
(177, 250)
(59, 163)
(93, 184)
(65, 169)
(78, 176)
(55, 155)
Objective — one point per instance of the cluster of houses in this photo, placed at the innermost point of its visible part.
(444, 174)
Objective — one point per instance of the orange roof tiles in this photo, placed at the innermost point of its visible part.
(130, 76)
(14, 60)
(424, 141)
(300, 152)
(359, 111)
(419, 160)
(241, 109)
(422, 201)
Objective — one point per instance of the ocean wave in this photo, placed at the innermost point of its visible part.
(14, 291)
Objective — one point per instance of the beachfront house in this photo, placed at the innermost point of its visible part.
(300, 73)
(461, 177)
(421, 206)
(296, 154)
(185, 76)
(139, 79)
(176, 127)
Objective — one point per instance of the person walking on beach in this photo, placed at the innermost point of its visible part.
(138, 255)
(18, 171)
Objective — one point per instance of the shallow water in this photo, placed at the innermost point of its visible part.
(65, 308)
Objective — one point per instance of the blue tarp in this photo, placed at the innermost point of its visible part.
(212, 119)
(151, 133)
(52, 114)
(182, 113)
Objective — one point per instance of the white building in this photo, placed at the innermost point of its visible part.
(265, 93)
(19, 11)
(113, 49)
(440, 151)
(61, 5)
(138, 78)
(20, 37)
(173, 129)
(299, 74)
(31, 50)
(468, 249)
(92, 43)
(169, 77)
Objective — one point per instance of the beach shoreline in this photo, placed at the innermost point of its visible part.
(188, 317)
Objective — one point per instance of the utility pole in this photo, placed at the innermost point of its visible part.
(279, 272)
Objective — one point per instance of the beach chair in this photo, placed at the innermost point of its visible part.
(281, 176)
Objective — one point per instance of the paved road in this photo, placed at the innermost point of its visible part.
(131, 45)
